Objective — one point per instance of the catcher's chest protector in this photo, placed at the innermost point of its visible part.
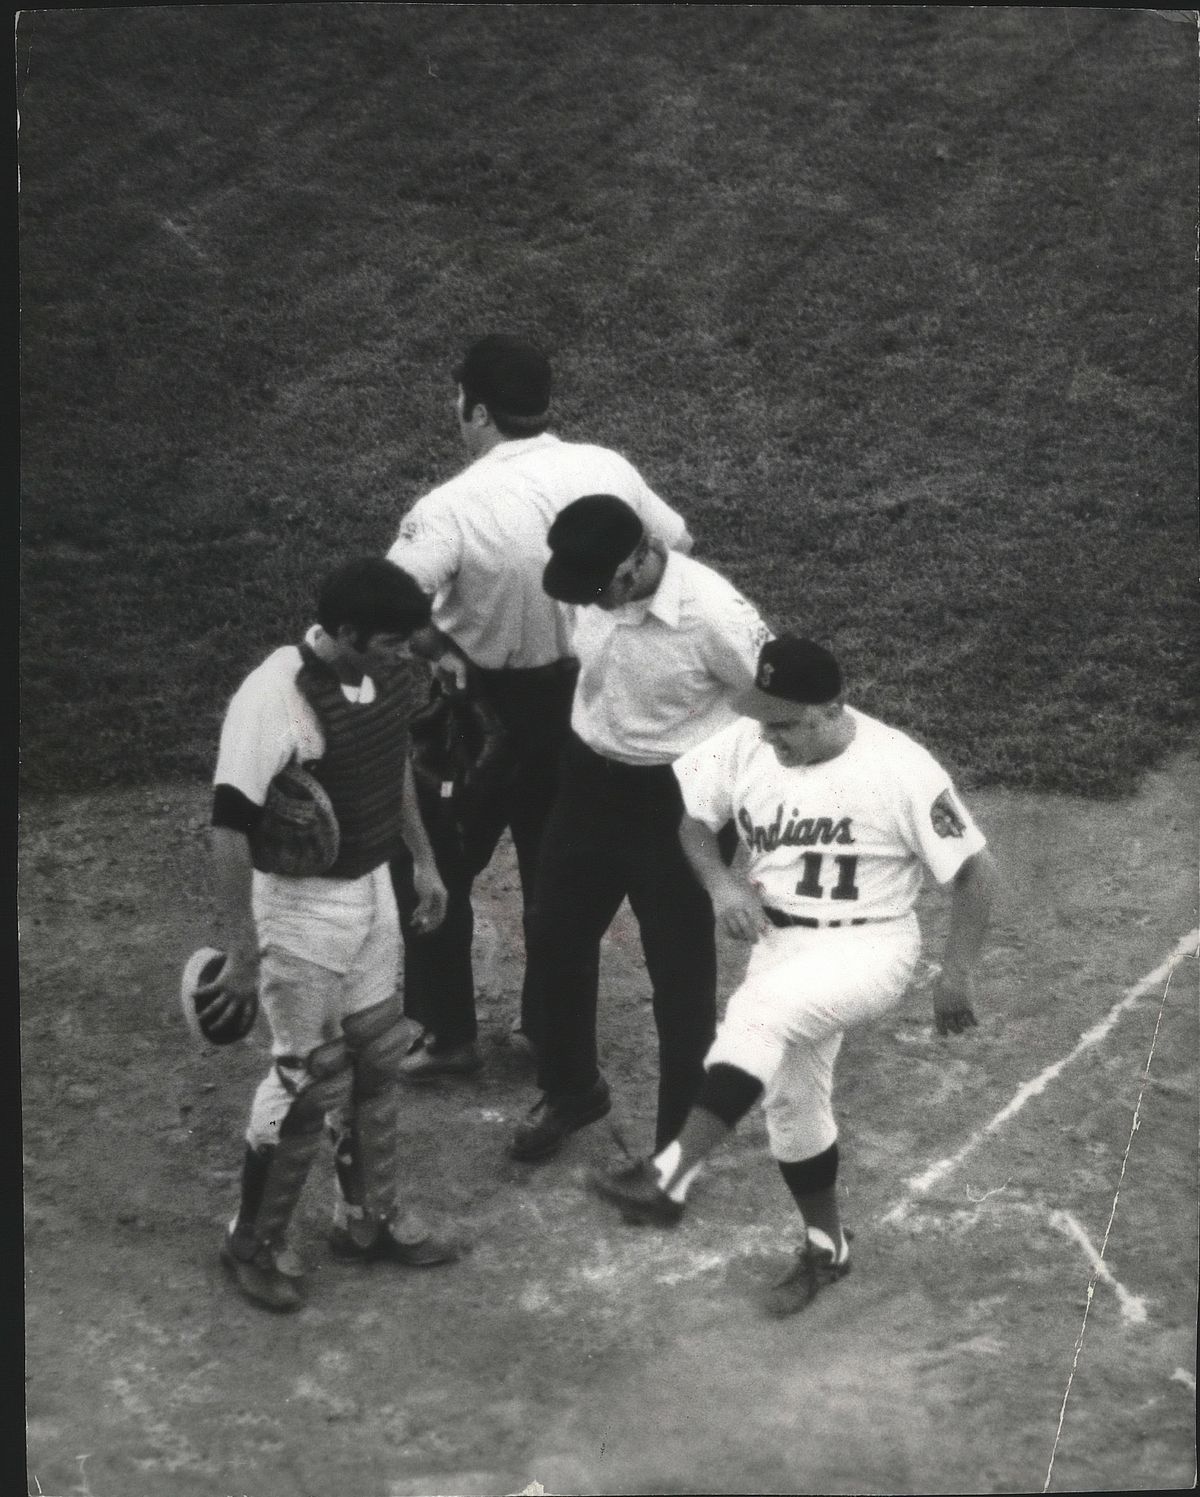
(362, 768)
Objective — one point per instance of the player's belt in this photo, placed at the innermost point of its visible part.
(777, 917)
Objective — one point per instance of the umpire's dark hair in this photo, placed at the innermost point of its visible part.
(373, 596)
(511, 377)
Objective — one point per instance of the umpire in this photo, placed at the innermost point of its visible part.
(664, 646)
(477, 544)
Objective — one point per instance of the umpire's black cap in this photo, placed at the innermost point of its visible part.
(588, 542)
(510, 375)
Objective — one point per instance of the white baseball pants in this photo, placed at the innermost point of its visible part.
(802, 990)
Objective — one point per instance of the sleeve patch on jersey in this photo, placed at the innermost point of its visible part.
(759, 634)
(410, 529)
(945, 816)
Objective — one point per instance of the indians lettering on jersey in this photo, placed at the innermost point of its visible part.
(851, 835)
(798, 831)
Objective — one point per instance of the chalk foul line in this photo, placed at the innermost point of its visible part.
(1133, 1307)
(1099, 1262)
(993, 1202)
(921, 1184)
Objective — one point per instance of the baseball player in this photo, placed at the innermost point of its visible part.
(839, 815)
(321, 946)
(477, 545)
(664, 644)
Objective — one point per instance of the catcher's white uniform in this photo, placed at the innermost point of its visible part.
(329, 946)
(839, 846)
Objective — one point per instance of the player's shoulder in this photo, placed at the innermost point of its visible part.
(733, 744)
(701, 577)
(896, 754)
(713, 745)
(704, 590)
(880, 735)
(277, 673)
(565, 449)
(443, 497)
(603, 464)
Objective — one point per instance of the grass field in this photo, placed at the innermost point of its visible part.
(897, 305)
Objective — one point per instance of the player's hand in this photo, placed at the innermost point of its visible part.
(431, 898)
(450, 672)
(738, 911)
(448, 665)
(239, 975)
(221, 1005)
(953, 1002)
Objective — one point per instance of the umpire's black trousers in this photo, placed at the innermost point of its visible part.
(614, 832)
(534, 707)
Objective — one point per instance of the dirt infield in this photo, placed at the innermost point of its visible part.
(566, 1349)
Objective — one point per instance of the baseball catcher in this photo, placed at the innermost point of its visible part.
(314, 793)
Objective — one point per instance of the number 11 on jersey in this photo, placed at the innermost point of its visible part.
(811, 887)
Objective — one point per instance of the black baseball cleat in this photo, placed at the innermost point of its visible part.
(549, 1121)
(258, 1275)
(812, 1270)
(634, 1188)
(377, 1245)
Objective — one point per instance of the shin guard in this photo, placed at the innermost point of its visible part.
(366, 1149)
(273, 1174)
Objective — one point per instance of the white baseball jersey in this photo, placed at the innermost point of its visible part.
(656, 676)
(478, 544)
(270, 721)
(842, 840)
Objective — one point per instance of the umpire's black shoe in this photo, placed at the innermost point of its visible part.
(635, 1189)
(427, 1064)
(813, 1269)
(549, 1121)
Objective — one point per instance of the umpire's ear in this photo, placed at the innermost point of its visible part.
(478, 416)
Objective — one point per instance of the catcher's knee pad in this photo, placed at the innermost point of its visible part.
(378, 1039)
(318, 1083)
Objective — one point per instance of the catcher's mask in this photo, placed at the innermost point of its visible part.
(211, 1015)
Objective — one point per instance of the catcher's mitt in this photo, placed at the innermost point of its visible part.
(298, 834)
(212, 1016)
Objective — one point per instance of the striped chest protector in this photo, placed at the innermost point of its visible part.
(362, 768)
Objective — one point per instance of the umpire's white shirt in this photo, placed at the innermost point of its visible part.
(657, 676)
(478, 544)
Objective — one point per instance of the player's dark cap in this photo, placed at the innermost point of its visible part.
(588, 542)
(792, 674)
(511, 376)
